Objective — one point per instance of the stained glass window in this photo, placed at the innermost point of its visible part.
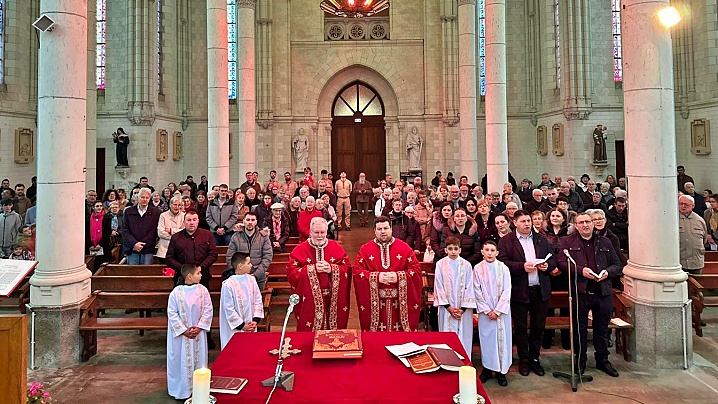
(2, 41)
(617, 49)
(232, 47)
(101, 43)
(159, 46)
(557, 32)
(482, 47)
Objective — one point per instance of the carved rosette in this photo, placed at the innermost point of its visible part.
(246, 3)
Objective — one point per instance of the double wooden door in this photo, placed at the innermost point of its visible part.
(359, 145)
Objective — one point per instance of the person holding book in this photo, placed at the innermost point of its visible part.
(319, 272)
(189, 317)
(242, 308)
(492, 284)
(388, 283)
(454, 293)
(596, 264)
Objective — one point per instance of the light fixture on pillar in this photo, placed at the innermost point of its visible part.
(353, 8)
(669, 16)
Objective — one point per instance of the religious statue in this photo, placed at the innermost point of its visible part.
(599, 144)
(414, 144)
(122, 140)
(301, 150)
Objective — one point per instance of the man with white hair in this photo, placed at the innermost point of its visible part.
(139, 233)
(536, 203)
(319, 271)
(363, 193)
(692, 234)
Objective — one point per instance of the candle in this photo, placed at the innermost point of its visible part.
(200, 386)
(467, 385)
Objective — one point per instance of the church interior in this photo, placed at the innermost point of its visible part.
(487, 89)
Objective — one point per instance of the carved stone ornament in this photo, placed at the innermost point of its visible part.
(123, 172)
(246, 3)
(178, 149)
(542, 140)
(462, 2)
(557, 139)
(162, 145)
(24, 146)
(576, 114)
(141, 113)
(701, 137)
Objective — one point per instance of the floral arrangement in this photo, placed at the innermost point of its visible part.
(37, 395)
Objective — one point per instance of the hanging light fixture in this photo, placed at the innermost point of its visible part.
(353, 8)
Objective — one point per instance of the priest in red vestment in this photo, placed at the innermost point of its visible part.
(319, 272)
(387, 281)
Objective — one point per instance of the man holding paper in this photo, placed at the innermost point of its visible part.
(596, 263)
(528, 256)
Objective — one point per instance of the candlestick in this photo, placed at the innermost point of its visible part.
(200, 386)
(467, 385)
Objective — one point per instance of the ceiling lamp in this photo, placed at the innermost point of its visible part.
(354, 8)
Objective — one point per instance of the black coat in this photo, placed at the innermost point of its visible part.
(606, 258)
(140, 228)
(470, 241)
(511, 253)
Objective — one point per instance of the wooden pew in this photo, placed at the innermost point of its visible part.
(90, 322)
(222, 249)
(710, 268)
(156, 269)
(711, 256)
(621, 306)
(698, 285)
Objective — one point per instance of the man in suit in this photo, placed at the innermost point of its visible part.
(521, 251)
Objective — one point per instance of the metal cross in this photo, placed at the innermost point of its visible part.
(286, 349)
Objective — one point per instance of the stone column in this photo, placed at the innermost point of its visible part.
(61, 280)
(468, 155)
(497, 145)
(654, 280)
(91, 131)
(217, 94)
(246, 83)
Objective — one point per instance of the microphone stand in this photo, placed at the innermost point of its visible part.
(284, 379)
(575, 374)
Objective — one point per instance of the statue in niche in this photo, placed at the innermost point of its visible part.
(414, 144)
(122, 140)
(599, 144)
(301, 151)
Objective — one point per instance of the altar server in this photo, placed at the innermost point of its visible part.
(242, 307)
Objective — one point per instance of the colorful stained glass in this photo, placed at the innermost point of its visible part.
(159, 46)
(617, 48)
(557, 33)
(482, 46)
(2, 40)
(101, 43)
(232, 48)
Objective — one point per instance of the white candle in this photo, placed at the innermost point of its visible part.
(467, 385)
(200, 386)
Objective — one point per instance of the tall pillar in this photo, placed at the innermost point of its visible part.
(468, 154)
(61, 280)
(653, 280)
(246, 83)
(217, 94)
(497, 144)
(91, 131)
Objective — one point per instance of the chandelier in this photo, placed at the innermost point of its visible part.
(353, 8)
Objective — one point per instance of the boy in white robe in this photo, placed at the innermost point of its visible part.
(189, 317)
(242, 306)
(454, 294)
(492, 283)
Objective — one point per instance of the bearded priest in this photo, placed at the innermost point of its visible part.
(387, 281)
(319, 271)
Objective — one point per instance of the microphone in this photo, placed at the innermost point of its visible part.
(293, 300)
(565, 251)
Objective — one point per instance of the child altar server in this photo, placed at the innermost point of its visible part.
(242, 307)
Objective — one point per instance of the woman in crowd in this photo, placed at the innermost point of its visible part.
(122, 199)
(264, 209)
(173, 188)
(242, 209)
(503, 225)
(442, 193)
(538, 219)
(611, 180)
(471, 208)
(167, 195)
(439, 220)
(251, 198)
(511, 208)
(295, 206)
(93, 235)
(485, 222)
(464, 228)
(157, 202)
(112, 225)
(557, 229)
(109, 197)
(323, 206)
(187, 204)
(422, 215)
(171, 222)
(202, 209)
(305, 218)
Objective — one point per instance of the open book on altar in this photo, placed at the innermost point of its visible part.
(427, 358)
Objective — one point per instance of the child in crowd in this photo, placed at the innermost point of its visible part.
(189, 315)
(19, 253)
(454, 294)
(242, 306)
(492, 283)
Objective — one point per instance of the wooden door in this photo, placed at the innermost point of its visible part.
(359, 147)
(100, 171)
(620, 160)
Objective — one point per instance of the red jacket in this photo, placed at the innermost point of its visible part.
(305, 218)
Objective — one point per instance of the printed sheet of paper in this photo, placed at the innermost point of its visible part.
(12, 272)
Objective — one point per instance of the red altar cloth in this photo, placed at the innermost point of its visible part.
(378, 377)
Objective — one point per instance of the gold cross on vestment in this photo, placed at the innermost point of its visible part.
(332, 259)
(382, 327)
(309, 260)
(398, 256)
(371, 258)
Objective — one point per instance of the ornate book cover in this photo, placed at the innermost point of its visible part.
(337, 344)
(227, 385)
(434, 359)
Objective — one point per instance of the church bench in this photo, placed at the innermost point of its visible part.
(710, 268)
(222, 249)
(698, 285)
(143, 283)
(711, 256)
(621, 307)
(90, 322)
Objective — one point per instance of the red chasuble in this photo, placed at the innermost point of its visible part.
(324, 303)
(393, 307)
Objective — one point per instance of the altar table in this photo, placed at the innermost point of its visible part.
(378, 377)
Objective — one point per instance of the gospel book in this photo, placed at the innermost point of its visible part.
(337, 344)
(227, 385)
(434, 359)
